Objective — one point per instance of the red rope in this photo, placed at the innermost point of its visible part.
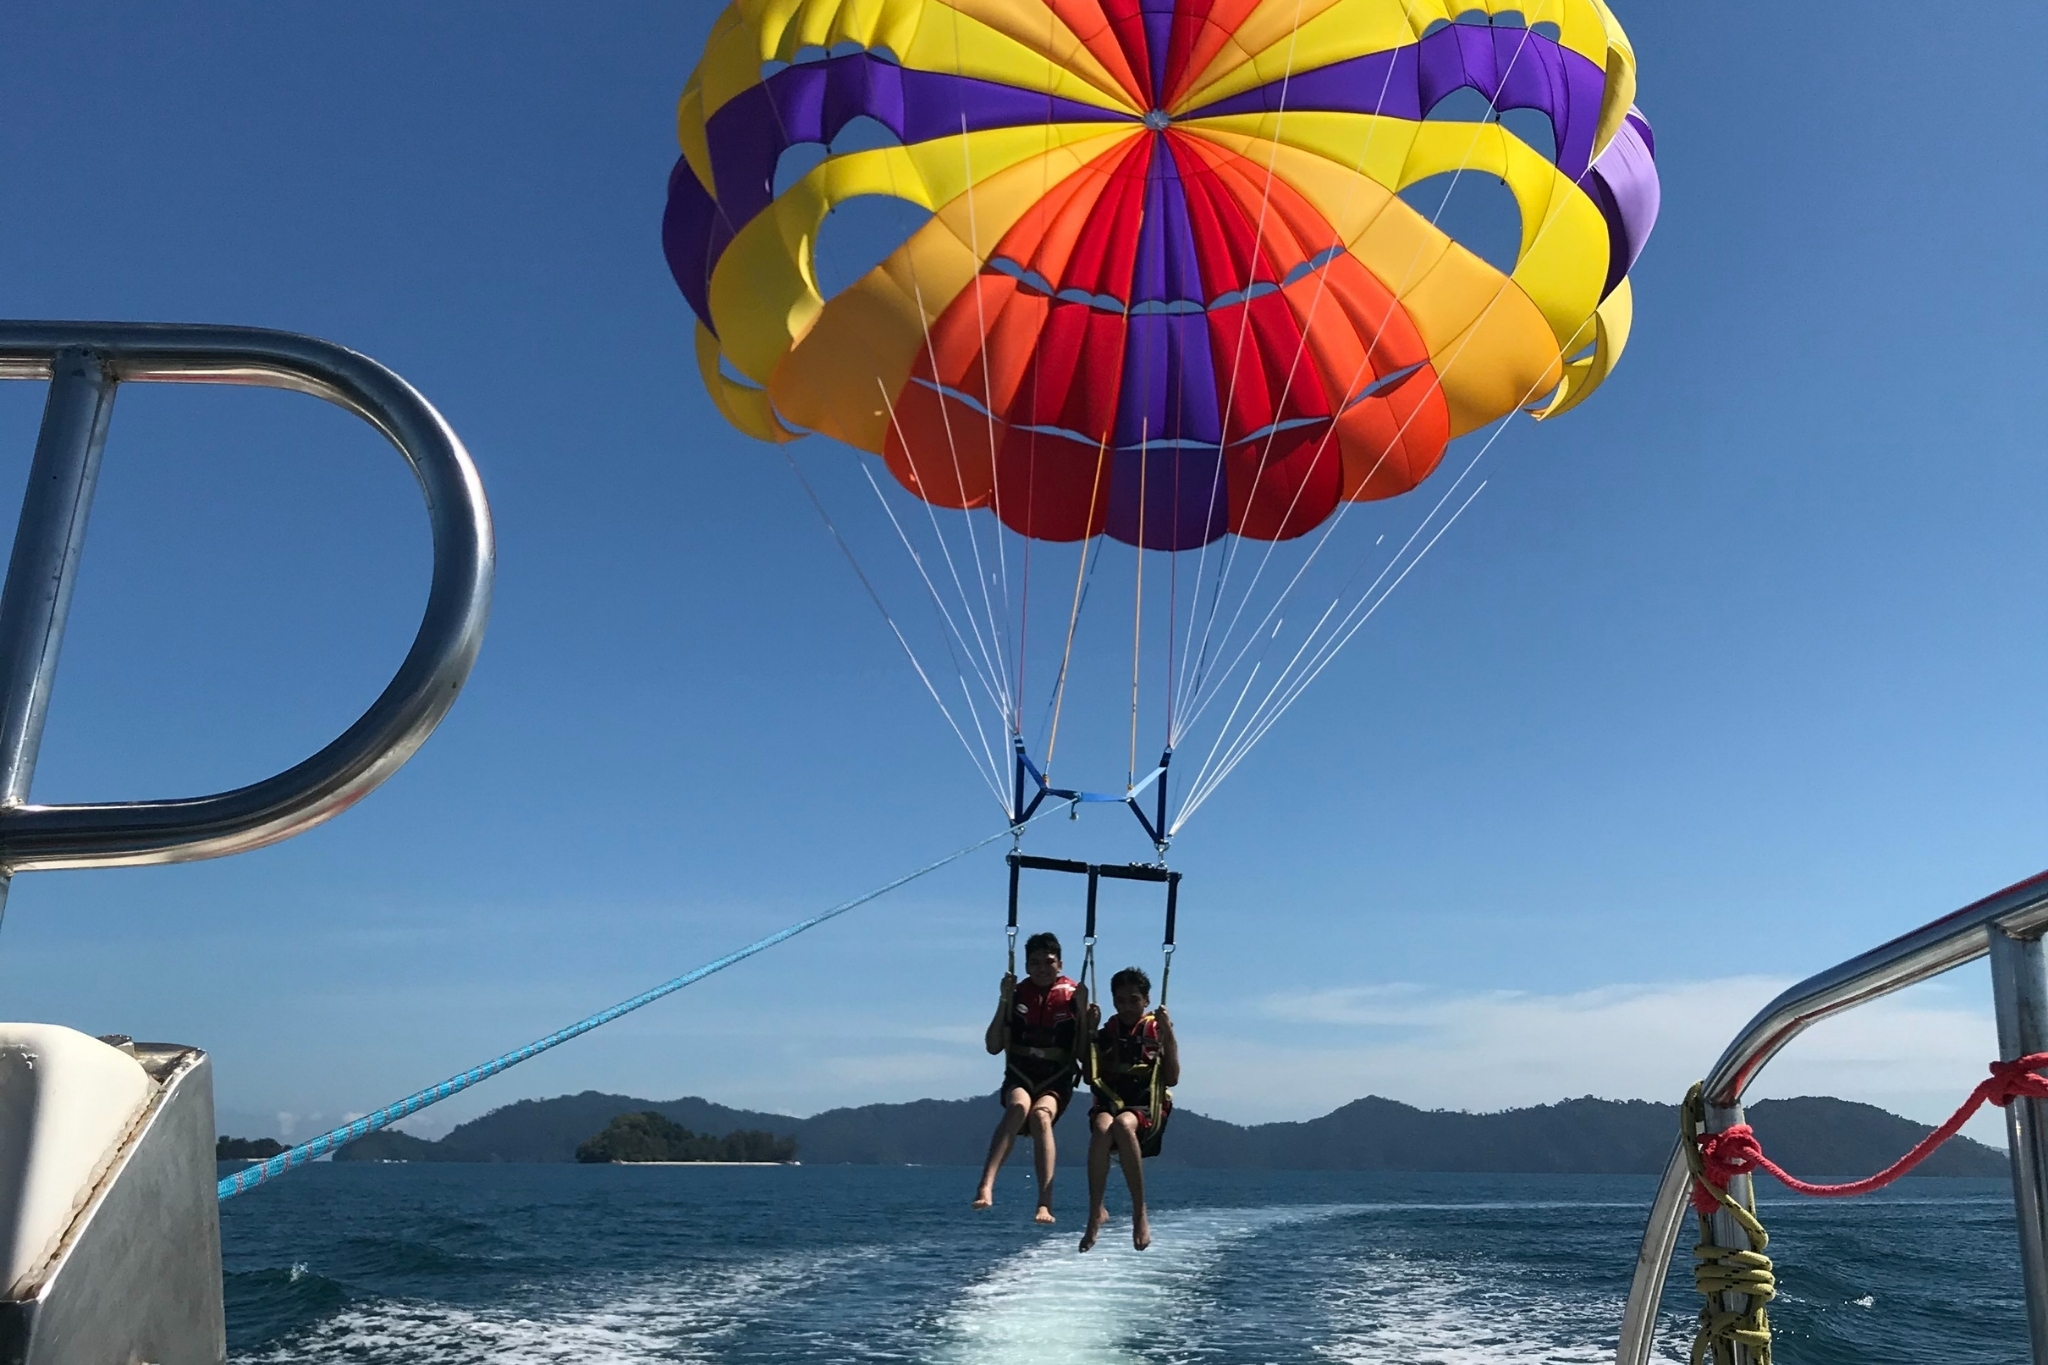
(1725, 1155)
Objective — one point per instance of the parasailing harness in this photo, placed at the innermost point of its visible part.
(1089, 1059)
(1044, 1032)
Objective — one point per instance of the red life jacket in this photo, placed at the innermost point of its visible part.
(1127, 1061)
(1044, 1021)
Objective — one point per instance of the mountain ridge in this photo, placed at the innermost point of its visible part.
(1814, 1137)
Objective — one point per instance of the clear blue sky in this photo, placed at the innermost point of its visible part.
(1731, 673)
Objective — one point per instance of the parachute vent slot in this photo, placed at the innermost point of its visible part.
(1106, 303)
(1385, 384)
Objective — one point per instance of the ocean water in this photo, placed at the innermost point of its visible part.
(574, 1265)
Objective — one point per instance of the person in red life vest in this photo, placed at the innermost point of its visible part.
(1036, 1027)
(1136, 1059)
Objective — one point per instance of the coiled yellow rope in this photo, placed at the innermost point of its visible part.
(1721, 1270)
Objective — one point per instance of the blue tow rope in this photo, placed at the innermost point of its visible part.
(250, 1177)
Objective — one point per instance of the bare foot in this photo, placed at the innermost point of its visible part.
(1044, 1215)
(984, 1200)
(1141, 1231)
(1094, 1231)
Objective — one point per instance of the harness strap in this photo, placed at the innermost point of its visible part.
(1032, 1084)
(1117, 1103)
(1089, 983)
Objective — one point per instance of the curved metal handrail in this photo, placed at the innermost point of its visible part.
(2018, 912)
(129, 833)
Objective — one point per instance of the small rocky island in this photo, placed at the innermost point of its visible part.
(247, 1149)
(648, 1136)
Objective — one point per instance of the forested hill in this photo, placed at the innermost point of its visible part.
(1813, 1138)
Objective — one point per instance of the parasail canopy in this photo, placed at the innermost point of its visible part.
(1169, 289)
(1179, 277)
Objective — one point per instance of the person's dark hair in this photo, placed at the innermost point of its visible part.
(1042, 943)
(1131, 976)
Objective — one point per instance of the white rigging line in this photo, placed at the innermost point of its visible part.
(991, 775)
(980, 730)
(1252, 737)
(1265, 715)
(1227, 745)
(1084, 579)
(1230, 396)
(993, 779)
(938, 602)
(990, 649)
(998, 628)
(1015, 717)
(1262, 720)
(1195, 707)
(991, 661)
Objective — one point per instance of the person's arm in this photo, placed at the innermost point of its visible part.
(1169, 1049)
(998, 1036)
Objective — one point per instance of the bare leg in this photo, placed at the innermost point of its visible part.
(1133, 1162)
(1043, 1110)
(1016, 1105)
(1098, 1177)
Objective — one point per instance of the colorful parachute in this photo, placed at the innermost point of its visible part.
(1169, 289)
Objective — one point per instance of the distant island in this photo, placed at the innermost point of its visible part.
(247, 1149)
(645, 1135)
(1815, 1138)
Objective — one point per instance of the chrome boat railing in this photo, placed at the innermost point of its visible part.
(130, 1261)
(2008, 928)
(84, 363)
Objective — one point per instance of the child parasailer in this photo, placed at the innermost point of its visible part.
(1036, 1028)
(1136, 1059)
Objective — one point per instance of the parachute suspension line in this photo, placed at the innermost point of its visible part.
(973, 709)
(1288, 687)
(992, 662)
(1083, 572)
(1263, 719)
(992, 667)
(1315, 304)
(1290, 690)
(1202, 773)
(998, 630)
(1138, 595)
(1199, 663)
(1243, 330)
(1200, 676)
(1329, 530)
(1330, 527)
(1365, 361)
(992, 774)
(1023, 635)
(954, 633)
(1052, 27)
(988, 396)
(248, 1179)
(1172, 620)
